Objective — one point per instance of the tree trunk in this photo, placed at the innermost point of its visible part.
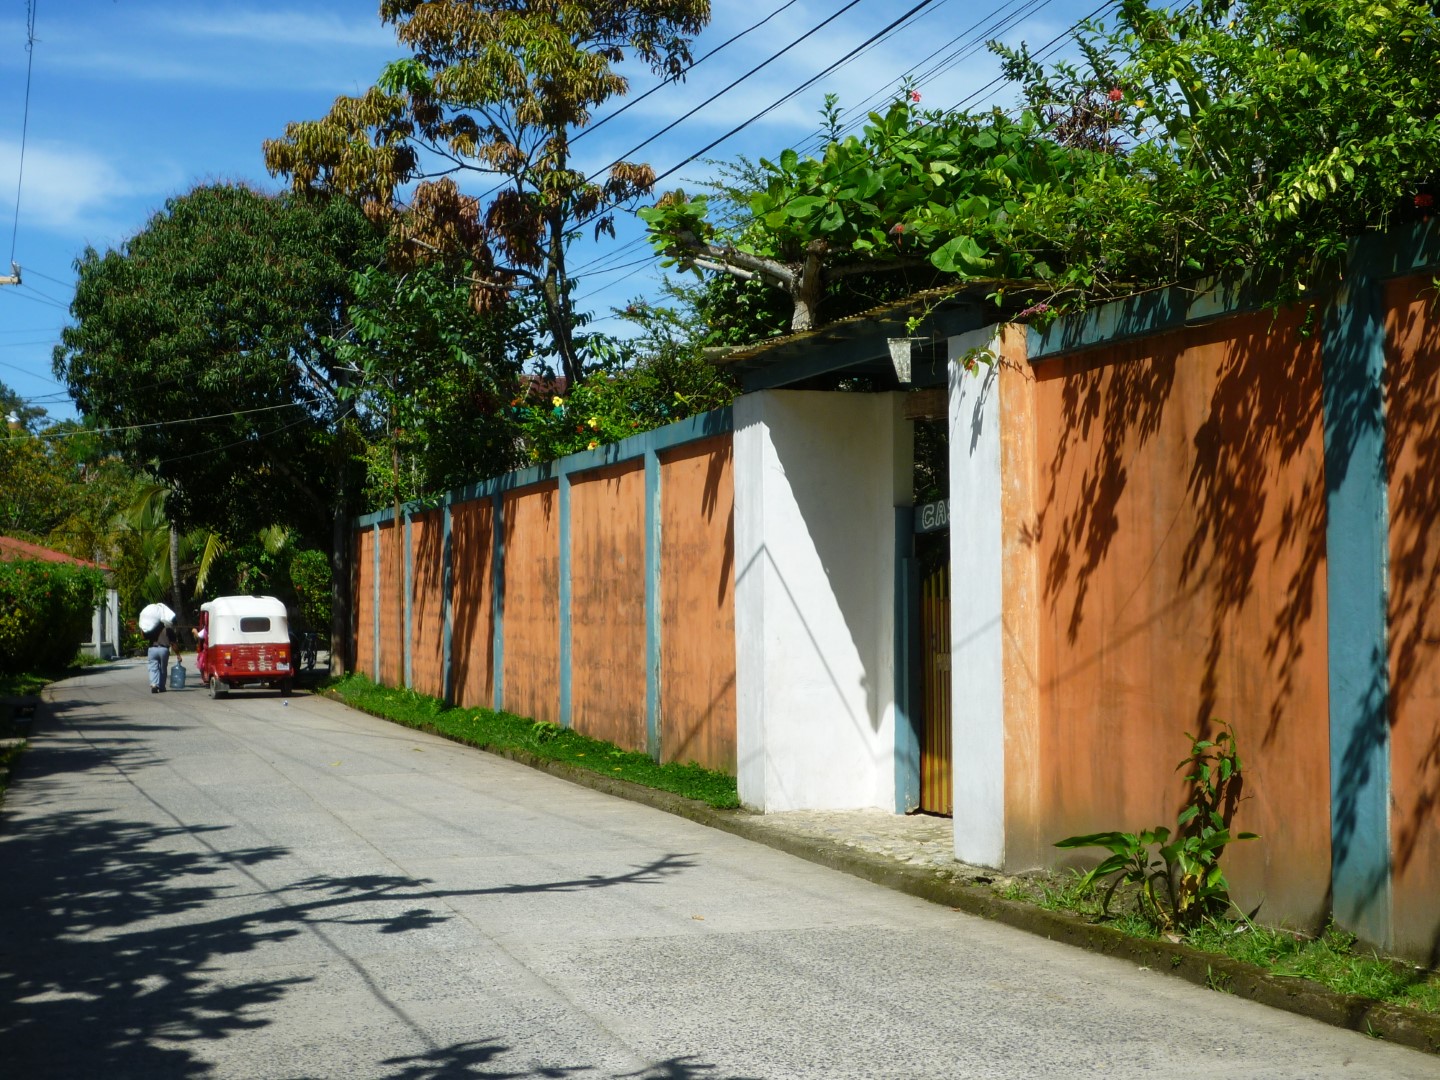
(809, 288)
(557, 304)
(175, 595)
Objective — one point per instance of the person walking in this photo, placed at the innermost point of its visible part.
(157, 624)
(162, 640)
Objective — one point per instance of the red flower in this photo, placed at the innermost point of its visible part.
(1424, 200)
(1116, 94)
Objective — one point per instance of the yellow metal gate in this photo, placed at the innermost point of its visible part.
(935, 782)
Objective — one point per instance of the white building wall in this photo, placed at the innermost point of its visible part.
(817, 480)
(105, 628)
(977, 711)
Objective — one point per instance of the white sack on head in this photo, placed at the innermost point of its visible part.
(152, 615)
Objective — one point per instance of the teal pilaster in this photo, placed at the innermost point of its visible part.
(447, 607)
(1357, 560)
(907, 735)
(406, 649)
(652, 604)
(563, 499)
(497, 596)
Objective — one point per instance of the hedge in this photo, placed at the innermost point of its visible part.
(45, 613)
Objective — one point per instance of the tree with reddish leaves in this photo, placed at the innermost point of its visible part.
(499, 90)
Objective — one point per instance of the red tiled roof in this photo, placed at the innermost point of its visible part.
(12, 549)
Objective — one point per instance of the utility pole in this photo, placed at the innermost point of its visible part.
(14, 278)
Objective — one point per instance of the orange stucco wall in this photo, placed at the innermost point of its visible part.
(697, 603)
(472, 626)
(1178, 526)
(427, 652)
(607, 582)
(1413, 453)
(1027, 842)
(363, 605)
(531, 602)
(392, 606)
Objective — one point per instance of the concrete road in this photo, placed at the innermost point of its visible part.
(250, 888)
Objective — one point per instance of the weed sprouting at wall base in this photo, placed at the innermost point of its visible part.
(1176, 877)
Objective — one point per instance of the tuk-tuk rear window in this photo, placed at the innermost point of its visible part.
(254, 624)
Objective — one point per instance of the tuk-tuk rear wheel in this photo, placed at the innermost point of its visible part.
(217, 688)
(286, 685)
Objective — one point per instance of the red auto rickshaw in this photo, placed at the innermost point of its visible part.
(245, 641)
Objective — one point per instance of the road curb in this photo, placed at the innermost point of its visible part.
(1393, 1023)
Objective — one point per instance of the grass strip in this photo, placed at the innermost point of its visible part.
(1330, 958)
(491, 730)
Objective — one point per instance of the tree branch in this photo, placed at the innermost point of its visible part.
(729, 258)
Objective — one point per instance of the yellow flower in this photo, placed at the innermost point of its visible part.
(593, 445)
(594, 423)
(557, 401)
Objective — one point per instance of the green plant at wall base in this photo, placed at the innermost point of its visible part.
(503, 732)
(1177, 877)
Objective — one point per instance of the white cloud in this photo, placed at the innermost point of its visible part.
(288, 28)
(226, 47)
(75, 191)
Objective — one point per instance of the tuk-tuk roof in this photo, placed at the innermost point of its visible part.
(236, 607)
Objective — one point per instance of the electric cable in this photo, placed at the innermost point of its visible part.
(772, 106)
(25, 121)
(32, 272)
(36, 299)
(726, 89)
(172, 423)
(1040, 54)
(675, 78)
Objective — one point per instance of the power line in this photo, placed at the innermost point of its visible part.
(33, 375)
(768, 60)
(32, 272)
(906, 17)
(661, 85)
(53, 299)
(175, 423)
(1043, 52)
(720, 93)
(25, 123)
(969, 41)
(47, 301)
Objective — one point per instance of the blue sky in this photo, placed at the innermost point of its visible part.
(134, 101)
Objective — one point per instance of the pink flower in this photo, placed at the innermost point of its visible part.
(1116, 94)
(914, 95)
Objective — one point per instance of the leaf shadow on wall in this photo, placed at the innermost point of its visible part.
(1241, 547)
(1413, 467)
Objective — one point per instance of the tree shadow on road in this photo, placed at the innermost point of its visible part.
(114, 937)
(480, 1059)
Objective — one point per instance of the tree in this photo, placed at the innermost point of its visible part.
(433, 379)
(32, 485)
(655, 378)
(495, 89)
(1206, 140)
(1260, 137)
(201, 349)
(926, 195)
